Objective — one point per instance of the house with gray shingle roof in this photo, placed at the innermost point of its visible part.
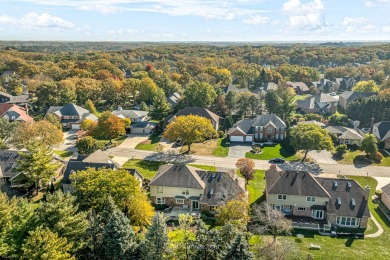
(196, 111)
(347, 97)
(174, 99)
(20, 100)
(71, 116)
(195, 189)
(382, 131)
(320, 103)
(133, 115)
(299, 87)
(345, 135)
(385, 196)
(262, 128)
(317, 201)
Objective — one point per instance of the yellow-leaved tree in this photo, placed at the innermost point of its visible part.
(189, 129)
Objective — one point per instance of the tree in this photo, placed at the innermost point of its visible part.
(207, 244)
(92, 187)
(366, 86)
(139, 210)
(53, 120)
(271, 101)
(147, 90)
(37, 165)
(43, 244)
(228, 122)
(243, 103)
(247, 168)
(227, 234)
(6, 208)
(88, 125)
(189, 129)
(60, 215)
(254, 104)
(6, 130)
(199, 94)
(88, 145)
(183, 249)
(160, 108)
(118, 236)
(90, 106)
(126, 122)
(369, 144)
(341, 149)
(109, 126)
(309, 137)
(234, 211)
(283, 249)
(239, 249)
(286, 102)
(157, 240)
(265, 220)
(143, 106)
(230, 101)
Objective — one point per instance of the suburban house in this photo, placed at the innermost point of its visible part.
(194, 189)
(345, 83)
(382, 131)
(14, 113)
(347, 97)
(256, 91)
(174, 99)
(71, 116)
(299, 87)
(385, 196)
(326, 85)
(317, 203)
(345, 135)
(268, 86)
(95, 160)
(144, 127)
(8, 162)
(311, 122)
(20, 100)
(262, 128)
(320, 103)
(196, 111)
(133, 115)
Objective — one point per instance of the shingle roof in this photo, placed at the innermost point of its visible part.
(200, 111)
(353, 95)
(342, 192)
(16, 99)
(23, 116)
(8, 160)
(386, 190)
(299, 183)
(383, 128)
(171, 175)
(68, 110)
(301, 85)
(246, 125)
(132, 114)
(174, 99)
(143, 124)
(308, 103)
(322, 97)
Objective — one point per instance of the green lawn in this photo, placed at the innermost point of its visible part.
(204, 167)
(152, 144)
(270, 152)
(63, 154)
(301, 97)
(358, 157)
(256, 188)
(222, 149)
(147, 168)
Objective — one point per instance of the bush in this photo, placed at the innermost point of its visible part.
(160, 206)
(314, 117)
(88, 145)
(256, 149)
(221, 133)
(378, 193)
(341, 149)
(377, 156)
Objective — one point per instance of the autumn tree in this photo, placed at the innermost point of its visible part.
(234, 211)
(139, 210)
(109, 126)
(199, 94)
(148, 90)
(189, 129)
(183, 248)
(88, 145)
(366, 86)
(308, 137)
(6, 130)
(54, 120)
(369, 144)
(247, 168)
(88, 125)
(6, 209)
(90, 106)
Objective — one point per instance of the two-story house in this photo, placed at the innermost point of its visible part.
(262, 128)
(14, 113)
(320, 103)
(134, 115)
(348, 97)
(312, 202)
(381, 130)
(20, 100)
(194, 189)
(299, 87)
(196, 111)
(71, 116)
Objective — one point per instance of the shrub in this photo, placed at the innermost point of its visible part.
(256, 149)
(341, 149)
(88, 145)
(314, 117)
(377, 156)
(221, 133)
(378, 193)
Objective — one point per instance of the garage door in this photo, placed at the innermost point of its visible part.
(75, 126)
(249, 138)
(236, 138)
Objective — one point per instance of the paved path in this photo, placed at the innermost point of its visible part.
(225, 162)
(239, 150)
(322, 156)
(380, 229)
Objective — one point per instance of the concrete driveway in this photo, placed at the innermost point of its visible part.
(69, 141)
(322, 157)
(132, 140)
(238, 150)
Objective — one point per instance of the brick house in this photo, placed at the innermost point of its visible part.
(262, 128)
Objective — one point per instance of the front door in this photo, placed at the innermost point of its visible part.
(195, 205)
(318, 214)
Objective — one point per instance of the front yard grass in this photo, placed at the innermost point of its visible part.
(63, 154)
(256, 188)
(205, 148)
(147, 168)
(359, 157)
(222, 149)
(276, 151)
(152, 144)
(204, 167)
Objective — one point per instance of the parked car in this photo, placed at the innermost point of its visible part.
(276, 161)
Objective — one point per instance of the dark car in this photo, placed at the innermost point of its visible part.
(276, 160)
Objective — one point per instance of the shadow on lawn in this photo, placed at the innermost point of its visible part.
(258, 201)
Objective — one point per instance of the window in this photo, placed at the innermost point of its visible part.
(311, 199)
(318, 214)
(347, 221)
(270, 130)
(160, 201)
(282, 129)
(282, 197)
(301, 209)
(12, 117)
(185, 191)
(179, 201)
(159, 189)
(75, 117)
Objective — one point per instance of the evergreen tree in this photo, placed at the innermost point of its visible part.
(43, 244)
(93, 249)
(207, 244)
(254, 104)
(160, 108)
(239, 250)
(231, 101)
(6, 209)
(60, 214)
(37, 164)
(228, 122)
(227, 234)
(143, 106)
(118, 236)
(183, 249)
(90, 106)
(157, 240)
(369, 144)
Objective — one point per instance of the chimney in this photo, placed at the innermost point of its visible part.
(26, 108)
(119, 108)
(367, 192)
(371, 125)
(273, 167)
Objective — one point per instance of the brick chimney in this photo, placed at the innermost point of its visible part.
(367, 192)
(26, 108)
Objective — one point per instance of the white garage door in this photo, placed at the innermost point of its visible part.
(236, 138)
(249, 139)
(75, 126)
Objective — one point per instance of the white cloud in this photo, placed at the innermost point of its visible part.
(357, 25)
(104, 9)
(386, 29)
(354, 21)
(305, 15)
(257, 19)
(36, 20)
(374, 3)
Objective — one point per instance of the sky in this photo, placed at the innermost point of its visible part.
(195, 20)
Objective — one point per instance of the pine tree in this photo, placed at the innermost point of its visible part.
(118, 236)
(207, 244)
(228, 123)
(231, 101)
(6, 209)
(157, 240)
(227, 234)
(60, 214)
(143, 106)
(90, 106)
(239, 249)
(160, 108)
(183, 249)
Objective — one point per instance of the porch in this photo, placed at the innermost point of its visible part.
(172, 213)
(309, 223)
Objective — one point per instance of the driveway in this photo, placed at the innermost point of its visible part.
(69, 141)
(132, 140)
(322, 156)
(238, 150)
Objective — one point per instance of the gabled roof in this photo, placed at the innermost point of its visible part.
(174, 99)
(246, 125)
(132, 114)
(143, 124)
(97, 157)
(8, 161)
(353, 95)
(269, 86)
(183, 176)
(308, 103)
(322, 97)
(383, 129)
(15, 99)
(300, 85)
(386, 190)
(23, 116)
(198, 111)
(351, 134)
(342, 192)
(68, 110)
(298, 183)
